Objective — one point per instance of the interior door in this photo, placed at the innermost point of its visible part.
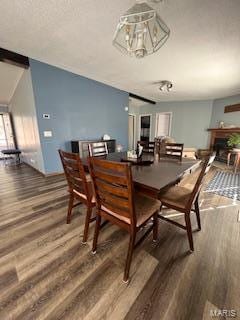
(131, 132)
(3, 139)
(6, 132)
(145, 127)
(163, 124)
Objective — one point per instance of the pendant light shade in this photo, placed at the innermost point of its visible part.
(140, 31)
(165, 85)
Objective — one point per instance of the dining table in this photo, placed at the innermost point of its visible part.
(151, 174)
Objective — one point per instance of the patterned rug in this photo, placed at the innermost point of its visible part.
(225, 184)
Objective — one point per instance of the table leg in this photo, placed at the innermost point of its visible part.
(18, 158)
(228, 158)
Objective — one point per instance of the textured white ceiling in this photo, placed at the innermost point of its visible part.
(136, 103)
(201, 57)
(9, 77)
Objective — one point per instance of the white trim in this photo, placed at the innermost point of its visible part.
(135, 128)
(170, 122)
(139, 125)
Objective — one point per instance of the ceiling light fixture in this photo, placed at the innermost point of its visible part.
(140, 31)
(165, 85)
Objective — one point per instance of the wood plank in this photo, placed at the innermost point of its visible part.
(232, 108)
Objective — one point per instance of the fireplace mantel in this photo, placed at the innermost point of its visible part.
(225, 129)
(221, 133)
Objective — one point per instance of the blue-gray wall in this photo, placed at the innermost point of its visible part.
(3, 109)
(190, 120)
(219, 115)
(79, 108)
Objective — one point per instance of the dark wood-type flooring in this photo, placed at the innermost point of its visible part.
(46, 273)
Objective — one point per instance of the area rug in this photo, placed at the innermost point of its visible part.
(225, 184)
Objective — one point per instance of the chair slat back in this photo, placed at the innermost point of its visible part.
(97, 149)
(148, 146)
(173, 150)
(205, 168)
(113, 188)
(75, 174)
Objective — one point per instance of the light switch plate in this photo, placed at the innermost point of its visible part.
(47, 134)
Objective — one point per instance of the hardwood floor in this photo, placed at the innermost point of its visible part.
(46, 273)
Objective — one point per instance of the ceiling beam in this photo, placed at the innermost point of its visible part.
(131, 95)
(14, 58)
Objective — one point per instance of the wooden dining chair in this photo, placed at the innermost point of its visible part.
(172, 151)
(118, 203)
(80, 187)
(97, 149)
(148, 147)
(182, 199)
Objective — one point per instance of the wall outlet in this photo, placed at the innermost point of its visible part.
(46, 116)
(47, 134)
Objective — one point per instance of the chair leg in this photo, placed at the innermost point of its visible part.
(97, 228)
(236, 163)
(189, 230)
(197, 213)
(129, 257)
(155, 227)
(70, 206)
(86, 227)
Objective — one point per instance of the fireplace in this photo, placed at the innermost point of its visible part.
(221, 148)
(218, 141)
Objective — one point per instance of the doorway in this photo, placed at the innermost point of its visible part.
(163, 124)
(145, 121)
(131, 132)
(3, 138)
(6, 134)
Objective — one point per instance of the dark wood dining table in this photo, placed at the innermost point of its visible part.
(154, 178)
